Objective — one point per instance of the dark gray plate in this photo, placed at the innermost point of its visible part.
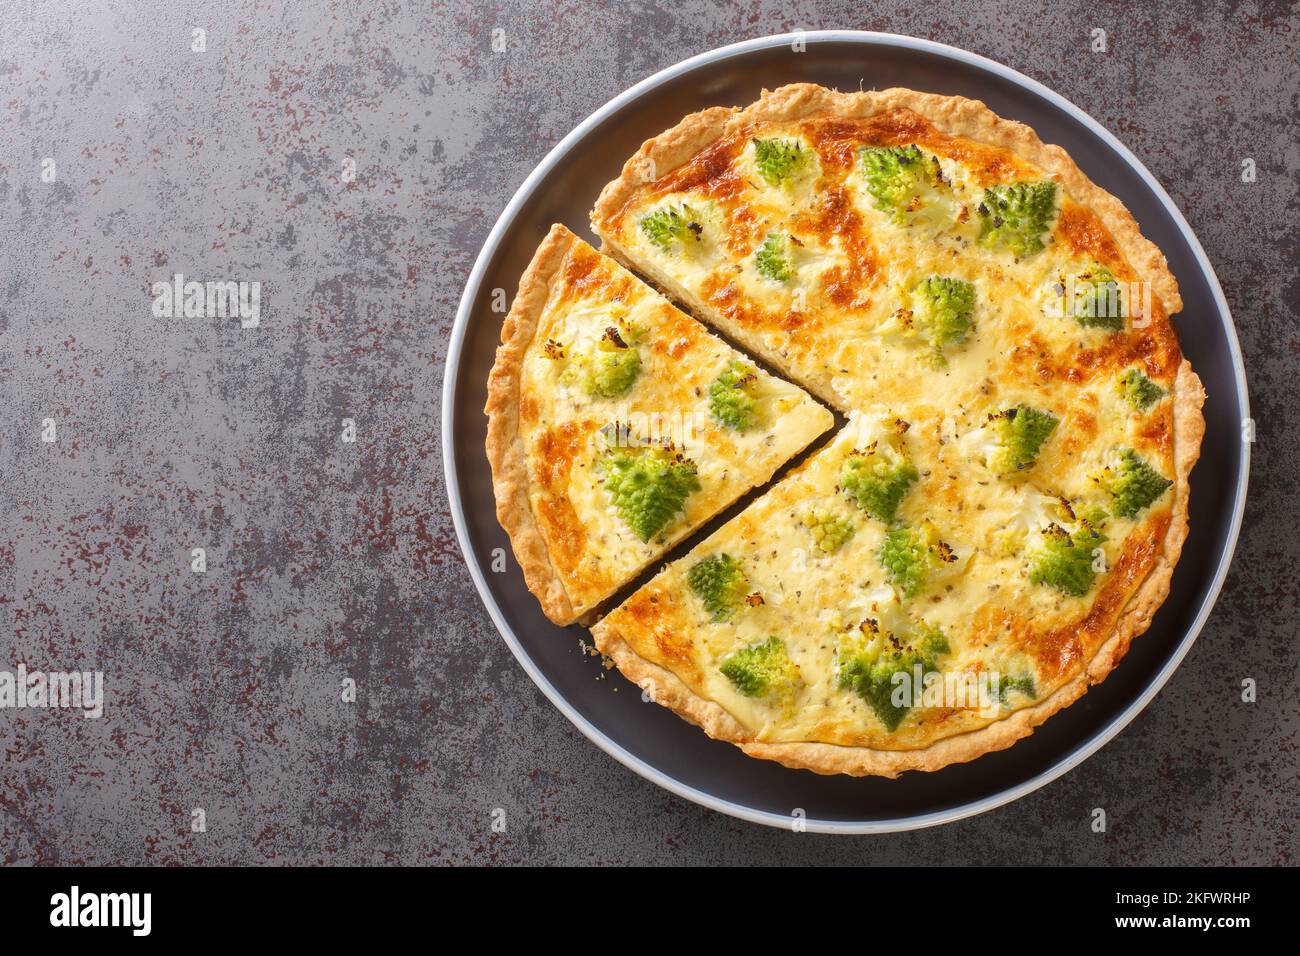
(653, 741)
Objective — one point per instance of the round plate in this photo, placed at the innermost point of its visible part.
(652, 740)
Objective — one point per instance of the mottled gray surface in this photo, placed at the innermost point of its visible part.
(330, 560)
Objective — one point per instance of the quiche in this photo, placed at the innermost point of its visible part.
(617, 425)
(1001, 515)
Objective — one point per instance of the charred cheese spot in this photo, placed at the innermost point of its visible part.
(711, 173)
(839, 140)
(557, 447)
(1082, 233)
(722, 293)
(1156, 436)
(746, 230)
(528, 409)
(654, 612)
(1057, 653)
(566, 540)
(987, 166)
(1129, 569)
(677, 335)
(586, 279)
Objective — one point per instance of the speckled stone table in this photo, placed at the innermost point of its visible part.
(351, 158)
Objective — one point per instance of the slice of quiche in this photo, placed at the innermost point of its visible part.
(617, 424)
(1008, 505)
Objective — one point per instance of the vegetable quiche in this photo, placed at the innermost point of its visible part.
(1002, 513)
(618, 424)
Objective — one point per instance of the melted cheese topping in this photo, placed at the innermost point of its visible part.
(564, 429)
(839, 326)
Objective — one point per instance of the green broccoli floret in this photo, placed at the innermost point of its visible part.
(720, 582)
(874, 683)
(909, 555)
(733, 396)
(902, 180)
(1065, 561)
(615, 367)
(1097, 303)
(867, 661)
(612, 374)
(941, 311)
(1138, 390)
(1020, 684)
(876, 479)
(610, 371)
(829, 532)
(1093, 518)
(1132, 484)
(672, 227)
(779, 160)
(1019, 433)
(930, 641)
(773, 258)
(1014, 216)
(760, 669)
(647, 485)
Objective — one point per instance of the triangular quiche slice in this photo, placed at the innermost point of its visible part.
(617, 425)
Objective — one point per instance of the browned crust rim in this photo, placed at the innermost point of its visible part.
(963, 117)
(505, 451)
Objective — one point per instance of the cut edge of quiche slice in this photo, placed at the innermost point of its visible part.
(988, 175)
(617, 425)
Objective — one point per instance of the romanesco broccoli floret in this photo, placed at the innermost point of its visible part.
(830, 532)
(647, 485)
(1132, 484)
(1093, 518)
(1022, 683)
(901, 179)
(615, 367)
(874, 683)
(930, 641)
(720, 583)
(1014, 216)
(1138, 390)
(761, 669)
(672, 227)
(868, 661)
(734, 396)
(1097, 303)
(910, 555)
(1019, 432)
(610, 370)
(773, 258)
(779, 160)
(1068, 561)
(876, 479)
(612, 374)
(941, 311)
